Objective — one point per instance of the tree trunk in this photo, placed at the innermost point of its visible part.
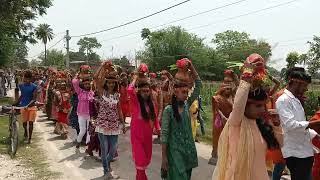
(45, 54)
(87, 57)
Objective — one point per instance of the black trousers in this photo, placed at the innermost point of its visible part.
(300, 168)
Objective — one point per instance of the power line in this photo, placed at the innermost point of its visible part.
(246, 14)
(136, 20)
(298, 39)
(181, 19)
(227, 19)
(47, 48)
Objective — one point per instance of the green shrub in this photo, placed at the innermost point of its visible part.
(207, 91)
(311, 105)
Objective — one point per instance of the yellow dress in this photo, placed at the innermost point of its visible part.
(194, 114)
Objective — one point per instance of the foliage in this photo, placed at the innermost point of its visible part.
(45, 34)
(313, 61)
(77, 56)
(273, 72)
(311, 105)
(237, 46)
(292, 59)
(123, 61)
(88, 44)
(17, 58)
(94, 59)
(54, 58)
(35, 63)
(165, 46)
(207, 91)
(15, 18)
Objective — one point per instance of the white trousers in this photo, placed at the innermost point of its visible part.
(83, 126)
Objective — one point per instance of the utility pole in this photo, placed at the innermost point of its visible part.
(112, 51)
(67, 47)
(135, 59)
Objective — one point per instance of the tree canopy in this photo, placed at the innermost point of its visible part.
(15, 26)
(292, 59)
(45, 34)
(313, 56)
(86, 47)
(88, 44)
(123, 61)
(237, 46)
(165, 46)
(55, 58)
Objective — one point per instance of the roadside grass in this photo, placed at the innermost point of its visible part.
(30, 155)
(207, 116)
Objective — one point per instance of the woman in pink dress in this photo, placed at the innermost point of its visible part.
(143, 116)
(245, 138)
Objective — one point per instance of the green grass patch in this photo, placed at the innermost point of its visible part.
(30, 155)
(6, 101)
(207, 116)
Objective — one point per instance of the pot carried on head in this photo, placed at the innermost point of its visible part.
(184, 74)
(143, 73)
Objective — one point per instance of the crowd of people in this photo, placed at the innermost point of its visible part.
(256, 126)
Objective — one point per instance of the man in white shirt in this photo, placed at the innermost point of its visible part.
(297, 149)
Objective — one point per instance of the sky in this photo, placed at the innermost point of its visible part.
(287, 28)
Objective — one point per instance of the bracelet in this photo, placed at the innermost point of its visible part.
(244, 84)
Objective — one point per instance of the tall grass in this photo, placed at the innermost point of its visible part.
(207, 91)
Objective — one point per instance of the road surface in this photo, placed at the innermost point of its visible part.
(63, 157)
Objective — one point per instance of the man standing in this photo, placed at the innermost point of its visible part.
(298, 133)
(9, 80)
(3, 91)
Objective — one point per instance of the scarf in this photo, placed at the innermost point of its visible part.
(245, 153)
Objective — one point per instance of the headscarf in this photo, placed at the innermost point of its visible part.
(245, 153)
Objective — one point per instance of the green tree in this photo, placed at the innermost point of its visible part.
(313, 61)
(35, 63)
(292, 59)
(15, 18)
(123, 61)
(45, 34)
(165, 46)
(18, 57)
(237, 46)
(77, 56)
(54, 58)
(87, 45)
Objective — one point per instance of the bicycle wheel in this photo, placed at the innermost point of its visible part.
(14, 138)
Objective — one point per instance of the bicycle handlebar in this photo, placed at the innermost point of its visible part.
(36, 103)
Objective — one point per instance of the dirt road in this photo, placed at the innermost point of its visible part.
(63, 157)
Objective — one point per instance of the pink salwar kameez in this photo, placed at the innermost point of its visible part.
(141, 136)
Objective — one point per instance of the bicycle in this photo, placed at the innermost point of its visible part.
(13, 112)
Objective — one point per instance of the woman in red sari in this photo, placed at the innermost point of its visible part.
(124, 98)
(62, 102)
(143, 116)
